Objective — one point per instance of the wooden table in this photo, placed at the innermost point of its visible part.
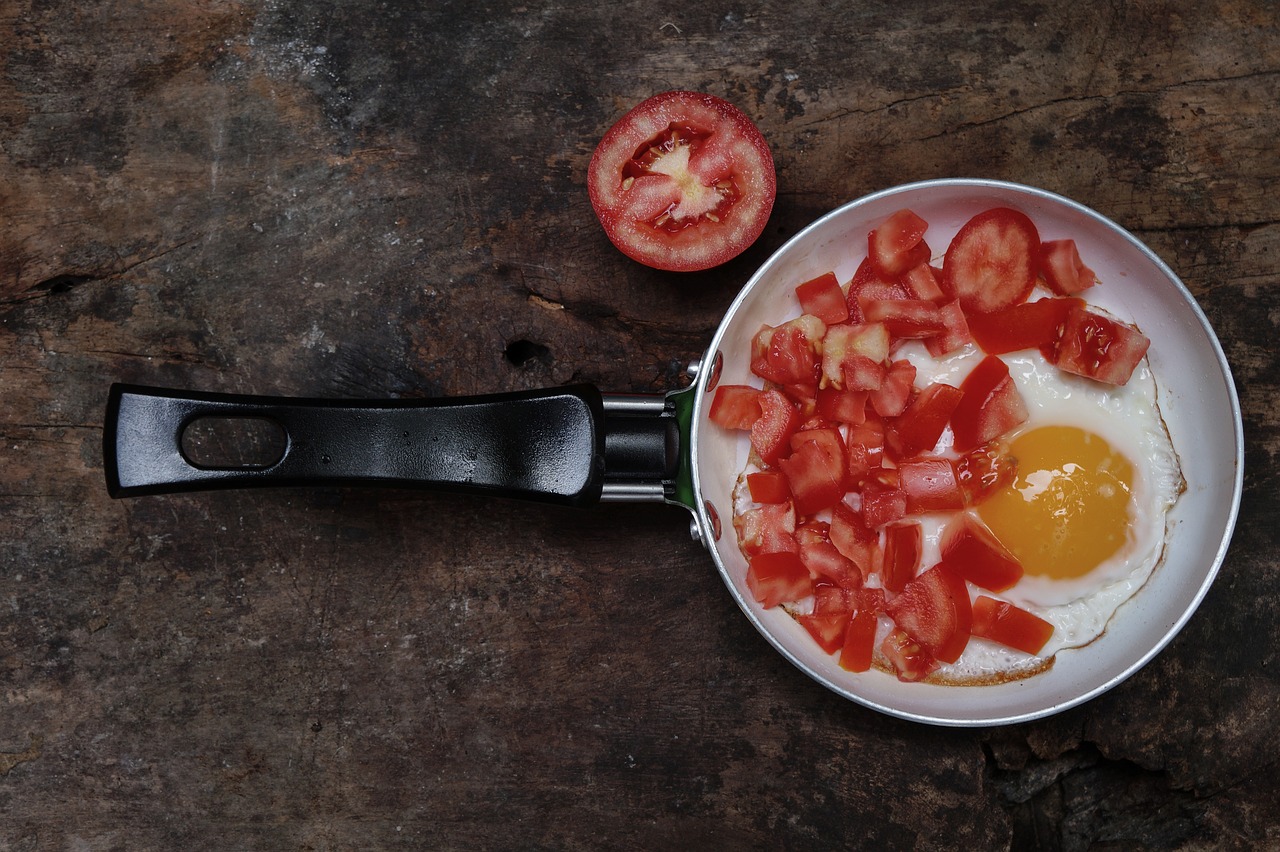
(388, 200)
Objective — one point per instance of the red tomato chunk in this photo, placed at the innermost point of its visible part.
(1010, 625)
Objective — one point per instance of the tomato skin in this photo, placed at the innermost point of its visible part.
(984, 470)
(906, 318)
(768, 486)
(868, 285)
(860, 633)
(730, 162)
(972, 551)
(898, 244)
(955, 331)
(991, 261)
(776, 578)
(1010, 625)
(735, 407)
(902, 546)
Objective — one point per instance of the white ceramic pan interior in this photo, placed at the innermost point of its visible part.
(1196, 395)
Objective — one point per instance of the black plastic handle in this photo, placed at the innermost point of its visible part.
(560, 445)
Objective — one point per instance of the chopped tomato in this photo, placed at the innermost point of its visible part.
(898, 244)
(984, 470)
(868, 284)
(842, 406)
(860, 633)
(930, 485)
(991, 405)
(832, 607)
(902, 546)
(788, 354)
(921, 282)
(1063, 270)
(826, 563)
(934, 610)
(684, 181)
(971, 550)
(866, 342)
(1099, 347)
(768, 486)
(815, 470)
(906, 318)
(823, 298)
(991, 262)
(864, 450)
(776, 578)
(910, 662)
(860, 373)
(955, 331)
(767, 529)
(890, 399)
(853, 538)
(1030, 325)
(735, 406)
(771, 433)
(1010, 625)
(882, 504)
(919, 427)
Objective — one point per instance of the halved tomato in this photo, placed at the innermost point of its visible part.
(684, 181)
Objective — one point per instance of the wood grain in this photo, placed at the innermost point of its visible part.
(321, 198)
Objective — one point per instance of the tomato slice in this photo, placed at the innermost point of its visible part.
(735, 406)
(823, 298)
(971, 550)
(991, 405)
(771, 433)
(1030, 325)
(934, 610)
(1063, 270)
(684, 181)
(1010, 625)
(1099, 347)
(991, 262)
(777, 578)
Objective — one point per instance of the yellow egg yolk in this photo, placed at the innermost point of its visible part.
(1068, 508)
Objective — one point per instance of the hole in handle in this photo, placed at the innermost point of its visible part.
(220, 442)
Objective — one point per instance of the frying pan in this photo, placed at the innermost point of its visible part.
(578, 446)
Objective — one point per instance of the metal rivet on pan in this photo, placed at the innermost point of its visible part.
(715, 520)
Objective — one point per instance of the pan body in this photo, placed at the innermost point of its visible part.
(1196, 394)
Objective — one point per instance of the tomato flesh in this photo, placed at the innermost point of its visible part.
(991, 262)
(973, 552)
(1010, 625)
(934, 610)
(775, 578)
(682, 182)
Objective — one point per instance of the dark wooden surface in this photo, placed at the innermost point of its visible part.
(333, 198)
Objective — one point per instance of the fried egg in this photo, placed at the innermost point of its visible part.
(1087, 512)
